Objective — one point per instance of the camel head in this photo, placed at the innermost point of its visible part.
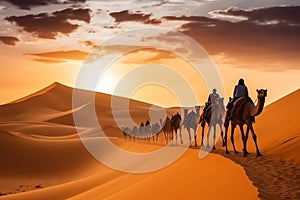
(177, 116)
(197, 108)
(261, 93)
(185, 110)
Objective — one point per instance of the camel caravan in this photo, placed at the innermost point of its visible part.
(239, 111)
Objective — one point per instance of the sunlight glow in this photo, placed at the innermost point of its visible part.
(107, 83)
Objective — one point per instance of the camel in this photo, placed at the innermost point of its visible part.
(125, 131)
(191, 121)
(141, 130)
(244, 113)
(175, 126)
(166, 128)
(134, 133)
(147, 130)
(155, 129)
(213, 116)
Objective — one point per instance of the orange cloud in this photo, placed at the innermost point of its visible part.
(60, 56)
(9, 40)
(148, 55)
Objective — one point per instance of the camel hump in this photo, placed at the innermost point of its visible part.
(238, 101)
(192, 114)
(241, 101)
(239, 105)
(191, 118)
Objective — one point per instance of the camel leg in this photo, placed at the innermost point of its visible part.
(176, 136)
(207, 137)
(147, 137)
(172, 137)
(166, 137)
(195, 137)
(189, 132)
(176, 132)
(232, 137)
(255, 140)
(181, 141)
(225, 139)
(214, 137)
(226, 125)
(222, 135)
(244, 141)
(202, 134)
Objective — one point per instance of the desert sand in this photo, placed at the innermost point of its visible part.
(42, 156)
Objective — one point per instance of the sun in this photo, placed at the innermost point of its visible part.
(107, 83)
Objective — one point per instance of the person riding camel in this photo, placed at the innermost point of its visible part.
(240, 90)
(211, 99)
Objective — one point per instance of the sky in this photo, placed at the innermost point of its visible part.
(154, 50)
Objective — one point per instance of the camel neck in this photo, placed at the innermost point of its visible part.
(198, 112)
(185, 114)
(256, 110)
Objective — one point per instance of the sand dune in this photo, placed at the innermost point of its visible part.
(280, 128)
(67, 163)
(42, 156)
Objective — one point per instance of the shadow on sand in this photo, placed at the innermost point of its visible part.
(275, 179)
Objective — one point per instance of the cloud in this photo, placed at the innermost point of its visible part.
(28, 4)
(268, 35)
(189, 18)
(90, 44)
(148, 56)
(8, 40)
(129, 16)
(45, 25)
(283, 14)
(49, 61)
(60, 56)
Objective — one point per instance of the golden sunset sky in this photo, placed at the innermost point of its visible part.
(47, 41)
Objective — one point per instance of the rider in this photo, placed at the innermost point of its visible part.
(240, 90)
(211, 99)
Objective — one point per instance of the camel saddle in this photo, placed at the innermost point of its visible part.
(238, 106)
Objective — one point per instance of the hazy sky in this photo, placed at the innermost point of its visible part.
(43, 41)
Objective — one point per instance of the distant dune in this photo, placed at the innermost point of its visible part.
(42, 156)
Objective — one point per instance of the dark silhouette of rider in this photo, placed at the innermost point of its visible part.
(240, 90)
(211, 99)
